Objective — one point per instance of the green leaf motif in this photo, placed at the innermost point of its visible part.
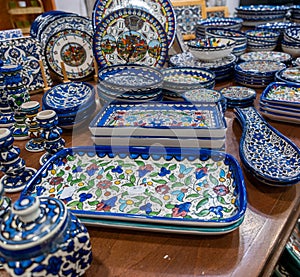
(129, 165)
(80, 206)
(132, 179)
(82, 177)
(188, 180)
(70, 177)
(98, 192)
(154, 213)
(193, 195)
(138, 197)
(59, 187)
(201, 203)
(221, 200)
(156, 200)
(128, 185)
(172, 167)
(122, 176)
(73, 203)
(204, 212)
(115, 188)
(134, 211)
(109, 168)
(170, 206)
(227, 210)
(140, 163)
(177, 185)
(172, 178)
(213, 179)
(206, 194)
(91, 183)
(109, 176)
(93, 203)
(84, 188)
(70, 158)
(160, 181)
(60, 173)
(104, 164)
(154, 174)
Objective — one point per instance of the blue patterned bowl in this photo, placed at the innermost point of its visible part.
(39, 236)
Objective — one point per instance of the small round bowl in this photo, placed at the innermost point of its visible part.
(261, 35)
(238, 36)
(292, 34)
(291, 48)
(210, 49)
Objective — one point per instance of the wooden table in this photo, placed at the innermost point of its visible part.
(250, 250)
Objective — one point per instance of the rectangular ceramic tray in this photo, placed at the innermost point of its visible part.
(146, 184)
(211, 143)
(160, 119)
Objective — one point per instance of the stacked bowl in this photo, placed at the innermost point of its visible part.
(262, 40)
(295, 13)
(238, 36)
(222, 68)
(132, 83)
(291, 41)
(257, 74)
(177, 81)
(257, 14)
(266, 55)
(73, 102)
(232, 23)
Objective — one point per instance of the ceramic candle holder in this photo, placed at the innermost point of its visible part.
(17, 95)
(16, 172)
(51, 241)
(51, 134)
(35, 144)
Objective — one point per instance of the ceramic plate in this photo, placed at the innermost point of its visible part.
(27, 52)
(279, 117)
(260, 68)
(146, 184)
(266, 55)
(164, 119)
(130, 35)
(238, 93)
(291, 74)
(162, 10)
(267, 153)
(176, 229)
(282, 94)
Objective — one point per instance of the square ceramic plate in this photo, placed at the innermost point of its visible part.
(160, 119)
(145, 184)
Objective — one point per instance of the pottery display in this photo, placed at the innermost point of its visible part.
(51, 241)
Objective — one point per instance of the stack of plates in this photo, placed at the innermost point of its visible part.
(295, 13)
(205, 95)
(129, 83)
(257, 14)
(173, 124)
(257, 74)
(181, 79)
(281, 101)
(238, 96)
(266, 55)
(232, 23)
(262, 40)
(173, 190)
(73, 102)
(238, 36)
(223, 68)
(290, 75)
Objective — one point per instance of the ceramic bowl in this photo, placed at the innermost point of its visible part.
(266, 55)
(292, 48)
(261, 35)
(292, 34)
(130, 78)
(210, 49)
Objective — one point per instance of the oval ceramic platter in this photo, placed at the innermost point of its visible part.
(130, 35)
(175, 186)
(266, 55)
(267, 154)
(162, 10)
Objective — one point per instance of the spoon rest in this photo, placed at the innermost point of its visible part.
(266, 153)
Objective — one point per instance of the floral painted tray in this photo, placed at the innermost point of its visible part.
(147, 184)
(164, 119)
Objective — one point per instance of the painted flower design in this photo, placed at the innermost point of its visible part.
(181, 210)
(163, 172)
(221, 190)
(117, 169)
(143, 170)
(217, 210)
(91, 169)
(201, 172)
(84, 196)
(147, 208)
(162, 189)
(105, 184)
(106, 205)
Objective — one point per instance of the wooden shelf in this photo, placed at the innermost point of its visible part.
(29, 10)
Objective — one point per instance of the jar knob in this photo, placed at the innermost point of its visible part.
(27, 208)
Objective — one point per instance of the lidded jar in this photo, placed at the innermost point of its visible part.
(40, 237)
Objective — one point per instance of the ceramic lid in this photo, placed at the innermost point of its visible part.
(31, 222)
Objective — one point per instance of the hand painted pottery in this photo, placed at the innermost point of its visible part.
(16, 174)
(130, 35)
(147, 184)
(238, 96)
(35, 144)
(51, 134)
(9, 34)
(130, 79)
(164, 119)
(181, 79)
(266, 55)
(267, 154)
(292, 48)
(289, 75)
(51, 241)
(211, 48)
(162, 10)
(292, 34)
(5, 204)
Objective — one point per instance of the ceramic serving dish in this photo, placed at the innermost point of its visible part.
(209, 49)
(270, 156)
(282, 94)
(131, 78)
(164, 119)
(278, 115)
(146, 184)
(237, 96)
(266, 55)
(289, 75)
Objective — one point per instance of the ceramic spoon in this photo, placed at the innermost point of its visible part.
(266, 153)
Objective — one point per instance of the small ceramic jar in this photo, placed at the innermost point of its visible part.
(40, 237)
